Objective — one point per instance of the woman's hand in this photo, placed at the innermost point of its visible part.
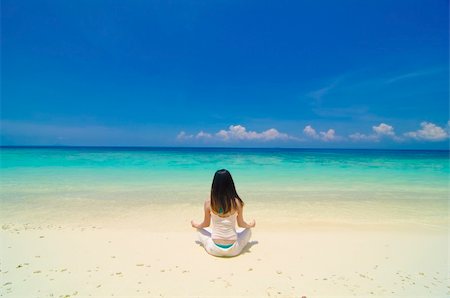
(194, 225)
(252, 224)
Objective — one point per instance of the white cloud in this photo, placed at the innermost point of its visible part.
(428, 132)
(380, 131)
(239, 132)
(310, 132)
(329, 135)
(203, 135)
(384, 129)
(183, 136)
(223, 134)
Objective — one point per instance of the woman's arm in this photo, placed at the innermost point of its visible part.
(240, 218)
(206, 219)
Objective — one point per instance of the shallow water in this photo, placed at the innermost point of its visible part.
(399, 184)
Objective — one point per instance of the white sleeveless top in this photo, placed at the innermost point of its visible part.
(223, 227)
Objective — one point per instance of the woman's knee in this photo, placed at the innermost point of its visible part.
(245, 234)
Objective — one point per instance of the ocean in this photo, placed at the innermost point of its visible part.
(315, 184)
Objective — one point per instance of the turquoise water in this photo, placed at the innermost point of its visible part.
(292, 185)
(185, 174)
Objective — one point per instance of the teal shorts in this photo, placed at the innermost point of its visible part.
(224, 245)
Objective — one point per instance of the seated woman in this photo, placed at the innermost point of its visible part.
(224, 210)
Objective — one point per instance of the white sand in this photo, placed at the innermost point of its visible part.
(151, 251)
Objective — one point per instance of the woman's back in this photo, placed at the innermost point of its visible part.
(223, 228)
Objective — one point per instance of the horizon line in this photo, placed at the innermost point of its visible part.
(208, 147)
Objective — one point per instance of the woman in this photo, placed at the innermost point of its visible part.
(224, 210)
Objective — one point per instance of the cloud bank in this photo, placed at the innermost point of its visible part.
(381, 131)
(237, 133)
(428, 132)
(326, 136)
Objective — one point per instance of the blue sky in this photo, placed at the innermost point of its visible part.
(358, 74)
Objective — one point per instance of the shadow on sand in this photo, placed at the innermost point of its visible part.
(245, 250)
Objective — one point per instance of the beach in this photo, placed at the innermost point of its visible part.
(149, 252)
(67, 231)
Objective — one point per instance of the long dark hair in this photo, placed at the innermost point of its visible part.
(223, 193)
